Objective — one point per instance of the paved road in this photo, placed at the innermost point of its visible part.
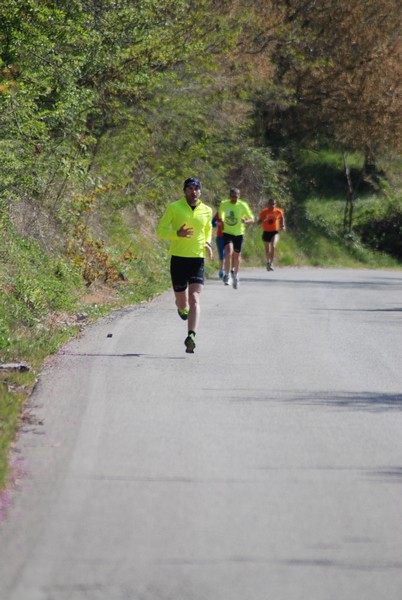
(266, 465)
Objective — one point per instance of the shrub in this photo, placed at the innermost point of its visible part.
(380, 226)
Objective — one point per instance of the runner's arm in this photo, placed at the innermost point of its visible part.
(165, 229)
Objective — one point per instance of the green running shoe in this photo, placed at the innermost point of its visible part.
(183, 314)
(189, 342)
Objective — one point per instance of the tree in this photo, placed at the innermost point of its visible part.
(344, 71)
(69, 69)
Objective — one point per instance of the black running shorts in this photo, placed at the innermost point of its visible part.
(268, 236)
(236, 240)
(186, 270)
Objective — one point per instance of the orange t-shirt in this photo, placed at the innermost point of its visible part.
(271, 219)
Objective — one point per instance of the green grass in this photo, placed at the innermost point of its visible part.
(315, 245)
(31, 347)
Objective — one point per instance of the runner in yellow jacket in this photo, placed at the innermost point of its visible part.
(187, 223)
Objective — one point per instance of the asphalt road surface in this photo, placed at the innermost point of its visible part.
(267, 465)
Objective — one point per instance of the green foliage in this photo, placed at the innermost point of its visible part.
(180, 131)
(33, 281)
(264, 176)
(379, 225)
(320, 186)
(68, 71)
(321, 173)
(145, 267)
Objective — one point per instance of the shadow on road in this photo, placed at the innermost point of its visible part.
(367, 401)
(125, 355)
(379, 284)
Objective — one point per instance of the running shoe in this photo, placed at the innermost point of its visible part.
(189, 342)
(235, 282)
(226, 278)
(183, 314)
(221, 274)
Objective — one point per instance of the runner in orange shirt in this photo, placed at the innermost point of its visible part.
(272, 220)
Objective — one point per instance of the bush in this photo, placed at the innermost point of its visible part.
(380, 226)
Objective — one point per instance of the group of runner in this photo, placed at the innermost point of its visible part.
(188, 224)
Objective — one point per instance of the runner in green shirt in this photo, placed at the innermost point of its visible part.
(235, 214)
(187, 223)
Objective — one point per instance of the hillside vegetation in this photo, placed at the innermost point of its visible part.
(107, 106)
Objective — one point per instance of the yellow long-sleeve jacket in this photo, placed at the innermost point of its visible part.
(180, 213)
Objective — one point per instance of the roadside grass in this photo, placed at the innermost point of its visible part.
(315, 245)
(30, 348)
(320, 188)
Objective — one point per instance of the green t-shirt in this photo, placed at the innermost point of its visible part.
(180, 213)
(232, 214)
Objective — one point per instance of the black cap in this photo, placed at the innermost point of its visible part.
(192, 181)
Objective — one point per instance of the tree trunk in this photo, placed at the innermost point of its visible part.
(350, 196)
